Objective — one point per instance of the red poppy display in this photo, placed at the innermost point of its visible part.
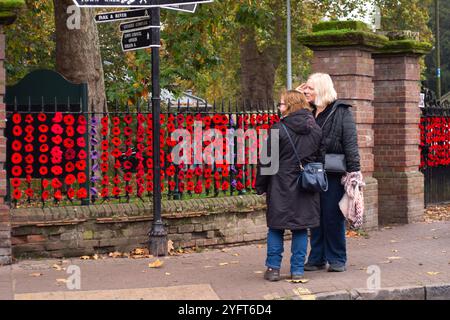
(17, 118)
(17, 131)
(42, 117)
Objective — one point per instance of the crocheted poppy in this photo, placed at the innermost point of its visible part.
(29, 129)
(116, 153)
(115, 131)
(70, 167)
(82, 120)
(29, 159)
(190, 186)
(128, 189)
(116, 191)
(17, 118)
(105, 180)
(16, 182)
(104, 131)
(70, 193)
(70, 131)
(42, 117)
(29, 148)
(69, 154)
(127, 165)
(104, 193)
(29, 192)
(43, 171)
(105, 145)
(104, 167)
(17, 194)
(127, 131)
(81, 177)
(56, 183)
(116, 121)
(45, 195)
(57, 195)
(128, 142)
(17, 131)
(80, 165)
(128, 119)
(42, 138)
(82, 155)
(57, 129)
(56, 170)
(127, 176)
(115, 141)
(43, 128)
(104, 121)
(69, 120)
(117, 164)
(68, 143)
(81, 129)
(16, 145)
(44, 184)
(58, 117)
(43, 148)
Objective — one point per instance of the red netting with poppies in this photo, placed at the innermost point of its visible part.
(435, 142)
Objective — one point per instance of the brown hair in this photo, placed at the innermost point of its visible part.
(295, 101)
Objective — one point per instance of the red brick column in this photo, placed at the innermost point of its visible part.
(5, 223)
(397, 137)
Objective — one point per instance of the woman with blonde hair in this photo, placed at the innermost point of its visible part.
(288, 207)
(340, 144)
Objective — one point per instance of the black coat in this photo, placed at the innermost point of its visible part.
(340, 135)
(287, 206)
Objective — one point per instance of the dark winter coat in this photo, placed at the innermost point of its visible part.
(340, 134)
(287, 206)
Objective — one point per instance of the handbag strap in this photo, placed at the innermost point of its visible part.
(335, 105)
(293, 146)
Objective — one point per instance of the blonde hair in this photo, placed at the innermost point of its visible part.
(294, 100)
(324, 88)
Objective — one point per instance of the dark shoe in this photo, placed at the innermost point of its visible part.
(336, 268)
(272, 274)
(297, 277)
(311, 267)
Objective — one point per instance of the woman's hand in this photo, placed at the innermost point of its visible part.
(301, 88)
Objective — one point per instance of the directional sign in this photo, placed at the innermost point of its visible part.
(185, 7)
(137, 25)
(122, 15)
(141, 39)
(135, 3)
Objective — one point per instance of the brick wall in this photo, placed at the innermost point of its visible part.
(5, 227)
(397, 137)
(352, 70)
(85, 230)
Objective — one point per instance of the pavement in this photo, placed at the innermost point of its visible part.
(396, 262)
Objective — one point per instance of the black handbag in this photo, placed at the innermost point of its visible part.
(334, 162)
(312, 177)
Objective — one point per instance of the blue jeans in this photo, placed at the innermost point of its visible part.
(275, 249)
(328, 241)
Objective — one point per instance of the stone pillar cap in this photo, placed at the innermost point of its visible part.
(8, 9)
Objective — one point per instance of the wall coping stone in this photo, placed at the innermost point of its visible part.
(8, 10)
(406, 47)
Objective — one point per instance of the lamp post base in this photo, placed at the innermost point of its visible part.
(157, 245)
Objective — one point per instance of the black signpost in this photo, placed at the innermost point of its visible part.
(140, 34)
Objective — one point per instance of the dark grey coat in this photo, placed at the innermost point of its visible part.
(287, 206)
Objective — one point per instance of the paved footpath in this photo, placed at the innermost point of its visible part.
(411, 255)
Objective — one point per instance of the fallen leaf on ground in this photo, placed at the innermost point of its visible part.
(208, 266)
(259, 272)
(432, 273)
(393, 241)
(170, 248)
(298, 281)
(395, 251)
(225, 250)
(386, 262)
(157, 264)
(223, 263)
(167, 274)
(236, 254)
(115, 254)
(95, 257)
(57, 267)
(394, 258)
(61, 280)
(36, 274)
(85, 257)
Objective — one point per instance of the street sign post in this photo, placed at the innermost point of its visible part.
(139, 39)
(135, 3)
(185, 7)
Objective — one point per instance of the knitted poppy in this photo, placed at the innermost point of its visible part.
(43, 128)
(82, 193)
(116, 121)
(70, 179)
(116, 153)
(56, 183)
(29, 159)
(17, 194)
(198, 188)
(128, 119)
(17, 118)
(69, 120)
(57, 129)
(56, 170)
(29, 148)
(70, 167)
(57, 139)
(116, 141)
(82, 120)
(29, 129)
(208, 183)
(81, 142)
(104, 145)
(81, 129)
(70, 154)
(225, 186)
(16, 182)
(104, 121)
(170, 171)
(117, 164)
(42, 117)
(70, 131)
(116, 191)
(104, 167)
(70, 193)
(127, 176)
(128, 142)
(45, 195)
(127, 165)
(116, 180)
(104, 131)
(28, 178)
(128, 189)
(105, 180)
(17, 131)
(127, 131)
(81, 177)
(58, 117)
(80, 165)
(29, 192)
(29, 138)
(82, 155)
(57, 195)
(43, 171)
(68, 143)
(42, 138)
(190, 186)
(16, 145)
(104, 193)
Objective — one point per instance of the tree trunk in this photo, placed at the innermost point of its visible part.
(258, 70)
(78, 52)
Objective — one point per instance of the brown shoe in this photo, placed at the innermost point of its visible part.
(272, 274)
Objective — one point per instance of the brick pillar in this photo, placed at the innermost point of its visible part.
(397, 133)
(347, 57)
(5, 224)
